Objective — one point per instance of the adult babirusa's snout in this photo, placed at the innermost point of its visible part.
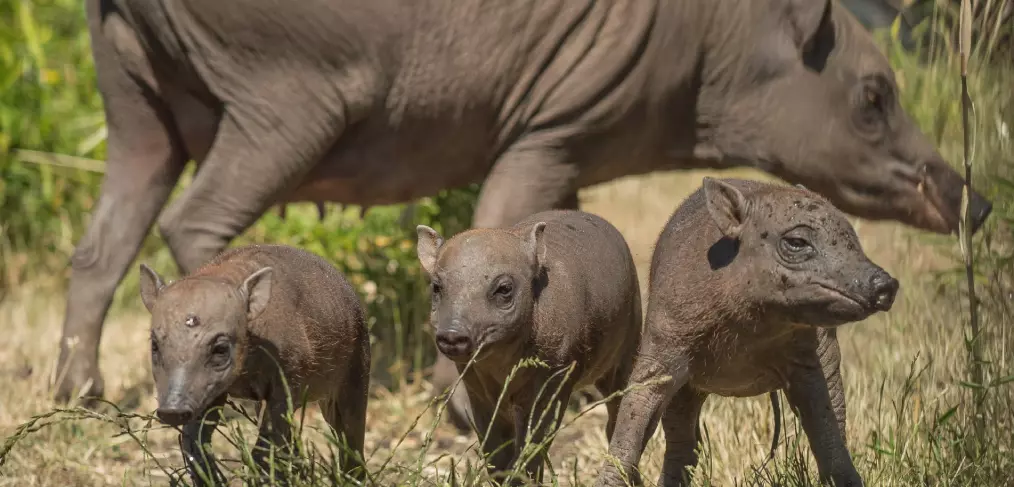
(884, 288)
(454, 342)
(981, 208)
(948, 187)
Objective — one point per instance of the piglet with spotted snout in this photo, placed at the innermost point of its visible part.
(559, 286)
(749, 282)
(235, 325)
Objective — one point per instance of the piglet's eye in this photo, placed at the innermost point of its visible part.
(796, 244)
(505, 288)
(221, 349)
(795, 249)
(221, 353)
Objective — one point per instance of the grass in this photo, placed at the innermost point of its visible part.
(910, 404)
(901, 370)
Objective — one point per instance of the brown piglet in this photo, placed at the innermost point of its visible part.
(749, 282)
(231, 327)
(558, 287)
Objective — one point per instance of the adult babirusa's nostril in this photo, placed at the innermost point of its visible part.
(981, 209)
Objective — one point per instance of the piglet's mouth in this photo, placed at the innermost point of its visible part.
(863, 307)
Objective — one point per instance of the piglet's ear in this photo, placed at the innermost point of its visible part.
(535, 245)
(257, 289)
(727, 205)
(151, 286)
(428, 246)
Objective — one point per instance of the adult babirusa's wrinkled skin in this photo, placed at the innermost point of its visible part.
(383, 102)
(749, 282)
(502, 296)
(260, 322)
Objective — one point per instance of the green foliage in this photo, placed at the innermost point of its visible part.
(48, 102)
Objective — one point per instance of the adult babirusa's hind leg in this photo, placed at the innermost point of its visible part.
(144, 161)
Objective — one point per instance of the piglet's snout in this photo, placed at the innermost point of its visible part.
(174, 409)
(454, 342)
(884, 288)
(175, 416)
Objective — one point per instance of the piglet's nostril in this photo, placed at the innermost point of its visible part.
(454, 343)
(175, 416)
(885, 288)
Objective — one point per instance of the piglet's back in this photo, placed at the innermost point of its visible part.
(591, 278)
(577, 239)
(304, 285)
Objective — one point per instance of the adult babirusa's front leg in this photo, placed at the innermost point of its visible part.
(255, 157)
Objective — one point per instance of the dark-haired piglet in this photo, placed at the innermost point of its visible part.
(559, 286)
(229, 328)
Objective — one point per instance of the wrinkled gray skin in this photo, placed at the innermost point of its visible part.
(748, 283)
(561, 287)
(385, 101)
(227, 328)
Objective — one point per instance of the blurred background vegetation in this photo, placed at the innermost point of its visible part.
(52, 148)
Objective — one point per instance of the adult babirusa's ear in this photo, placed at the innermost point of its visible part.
(151, 286)
(728, 207)
(804, 19)
(257, 289)
(427, 247)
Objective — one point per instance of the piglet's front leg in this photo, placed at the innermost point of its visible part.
(639, 414)
(274, 433)
(536, 417)
(195, 443)
(808, 395)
